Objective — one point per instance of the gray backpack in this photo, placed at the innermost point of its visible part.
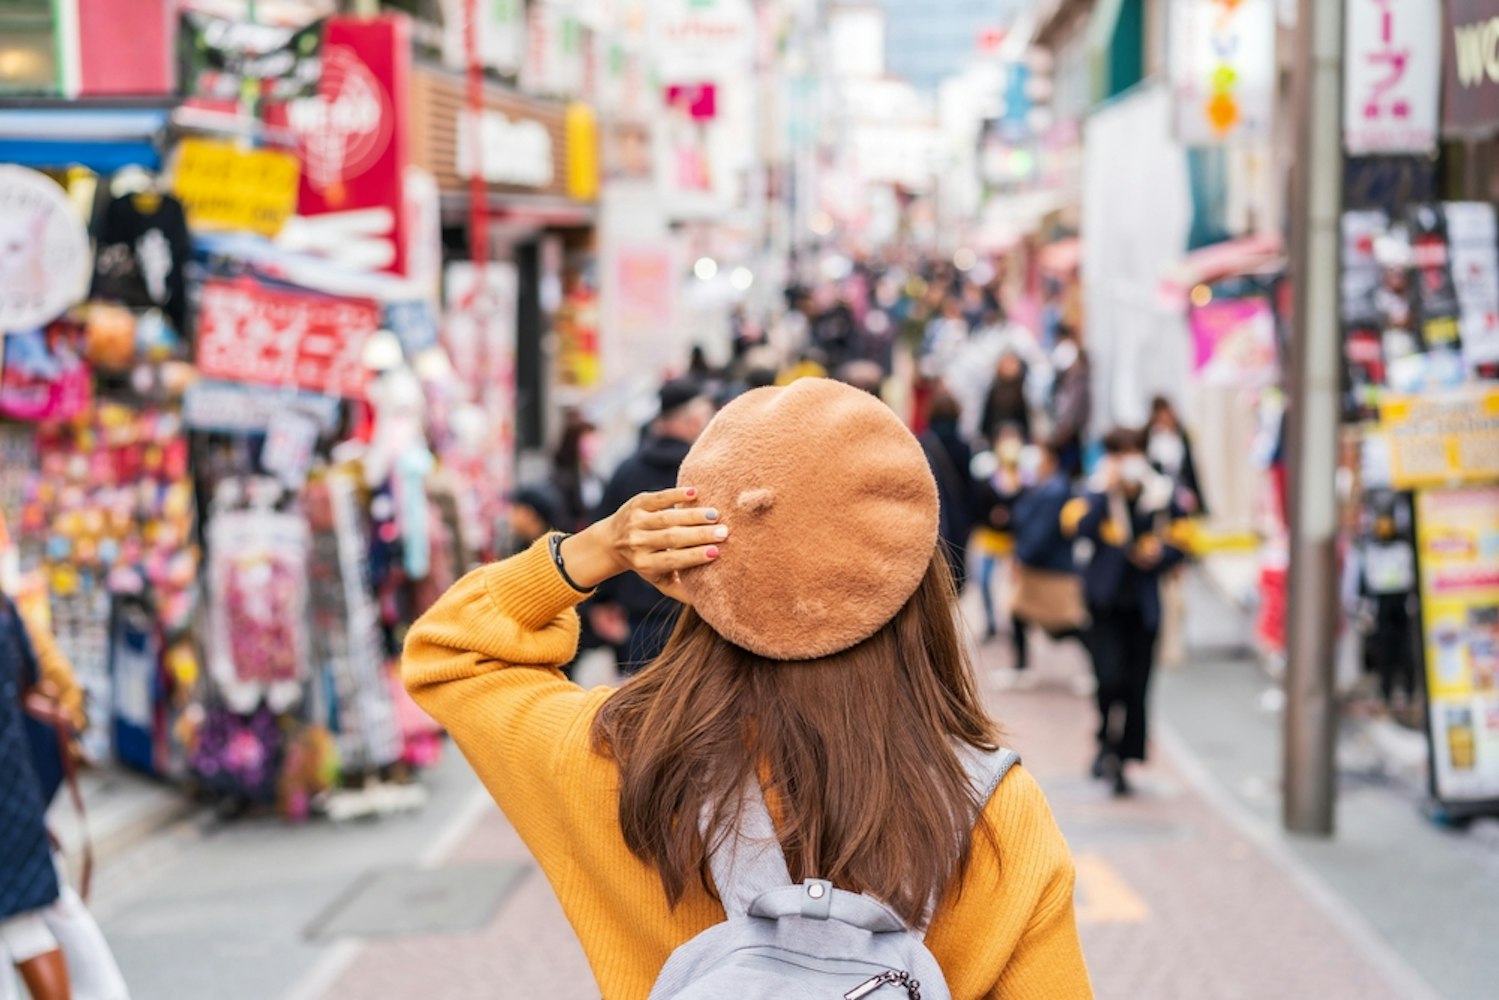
(811, 941)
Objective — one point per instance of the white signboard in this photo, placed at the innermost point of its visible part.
(44, 253)
(1223, 70)
(1392, 75)
(501, 41)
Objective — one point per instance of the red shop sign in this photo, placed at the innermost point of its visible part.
(353, 135)
(248, 332)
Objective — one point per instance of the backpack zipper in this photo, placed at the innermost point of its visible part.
(888, 978)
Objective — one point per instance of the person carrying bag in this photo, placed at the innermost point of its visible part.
(807, 768)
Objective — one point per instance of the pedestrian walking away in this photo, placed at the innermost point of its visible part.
(805, 781)
(1136, 527)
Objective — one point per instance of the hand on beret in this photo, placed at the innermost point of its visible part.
(653, 536)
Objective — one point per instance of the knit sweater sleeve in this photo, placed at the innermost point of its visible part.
(483, 662)
(1047, 963)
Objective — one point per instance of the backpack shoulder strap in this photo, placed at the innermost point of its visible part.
(747, 862)
(986, 769)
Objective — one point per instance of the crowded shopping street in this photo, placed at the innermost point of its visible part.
(678, 499)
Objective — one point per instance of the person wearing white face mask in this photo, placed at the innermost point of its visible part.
(1136, 525)
(1071, 399)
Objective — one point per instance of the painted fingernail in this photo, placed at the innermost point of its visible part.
(712, 552)
(710, 514)
(691, 492)
(720, 533)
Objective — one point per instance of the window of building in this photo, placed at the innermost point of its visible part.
(28, 47)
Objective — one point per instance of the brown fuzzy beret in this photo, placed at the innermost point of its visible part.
(832, 510)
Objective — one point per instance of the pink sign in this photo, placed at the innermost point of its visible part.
(248, 332)
(43, 378)
(1233, 342)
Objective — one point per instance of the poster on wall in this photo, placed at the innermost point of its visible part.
(1457, 535)
(1432, 290)
(250, 332)
(1473, 244)
(1223, 70)
(1391, 76)
(1233, 342)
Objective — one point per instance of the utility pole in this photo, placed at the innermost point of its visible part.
(1311, 716)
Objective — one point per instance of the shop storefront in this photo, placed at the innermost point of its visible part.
(234, 451)
(538, 160)
(1420, 317)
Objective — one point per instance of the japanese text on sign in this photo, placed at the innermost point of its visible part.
(1392, 71)
(1438, 440)
(250, 333)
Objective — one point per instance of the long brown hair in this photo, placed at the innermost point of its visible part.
(856, 752)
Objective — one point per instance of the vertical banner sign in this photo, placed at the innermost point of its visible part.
(1392, 72)
(1470, 57)
(1458, 536)
(353, 133)
(1223, 70)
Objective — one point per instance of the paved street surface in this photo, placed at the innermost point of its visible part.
(1185, 890)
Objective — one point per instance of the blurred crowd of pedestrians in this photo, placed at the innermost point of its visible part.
(1078, 536)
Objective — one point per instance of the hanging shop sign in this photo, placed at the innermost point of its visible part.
(1442, 439)
(223, 60)
(237, 408)
(44, 250)
(517, 152)
(1470, 55)
(555, 61)
(702, 39)
(1392, 72)
(520, 144)
(1223, 71)
(225, 187)
(1233, 342)
(1457, 534)
(352, 133)
(249, 332)
(502, 34)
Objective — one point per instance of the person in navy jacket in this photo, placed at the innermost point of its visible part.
(1131, 516)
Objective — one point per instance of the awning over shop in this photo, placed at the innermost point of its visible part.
(1262, 253)
(102, 139)
(1116, 43)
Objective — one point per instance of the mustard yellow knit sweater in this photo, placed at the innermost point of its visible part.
(483, 662)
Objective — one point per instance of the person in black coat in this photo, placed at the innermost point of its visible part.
(628, 612)
(1006, 404)
(28, 880)
(950, 458)
(1131, 517)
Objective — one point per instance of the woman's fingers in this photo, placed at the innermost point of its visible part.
(660, 565)
(686, 538)
(677, 517)
(666, 499)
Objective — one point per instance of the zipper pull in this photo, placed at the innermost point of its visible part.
(867, 987)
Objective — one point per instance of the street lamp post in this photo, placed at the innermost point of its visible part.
(1316, 203)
